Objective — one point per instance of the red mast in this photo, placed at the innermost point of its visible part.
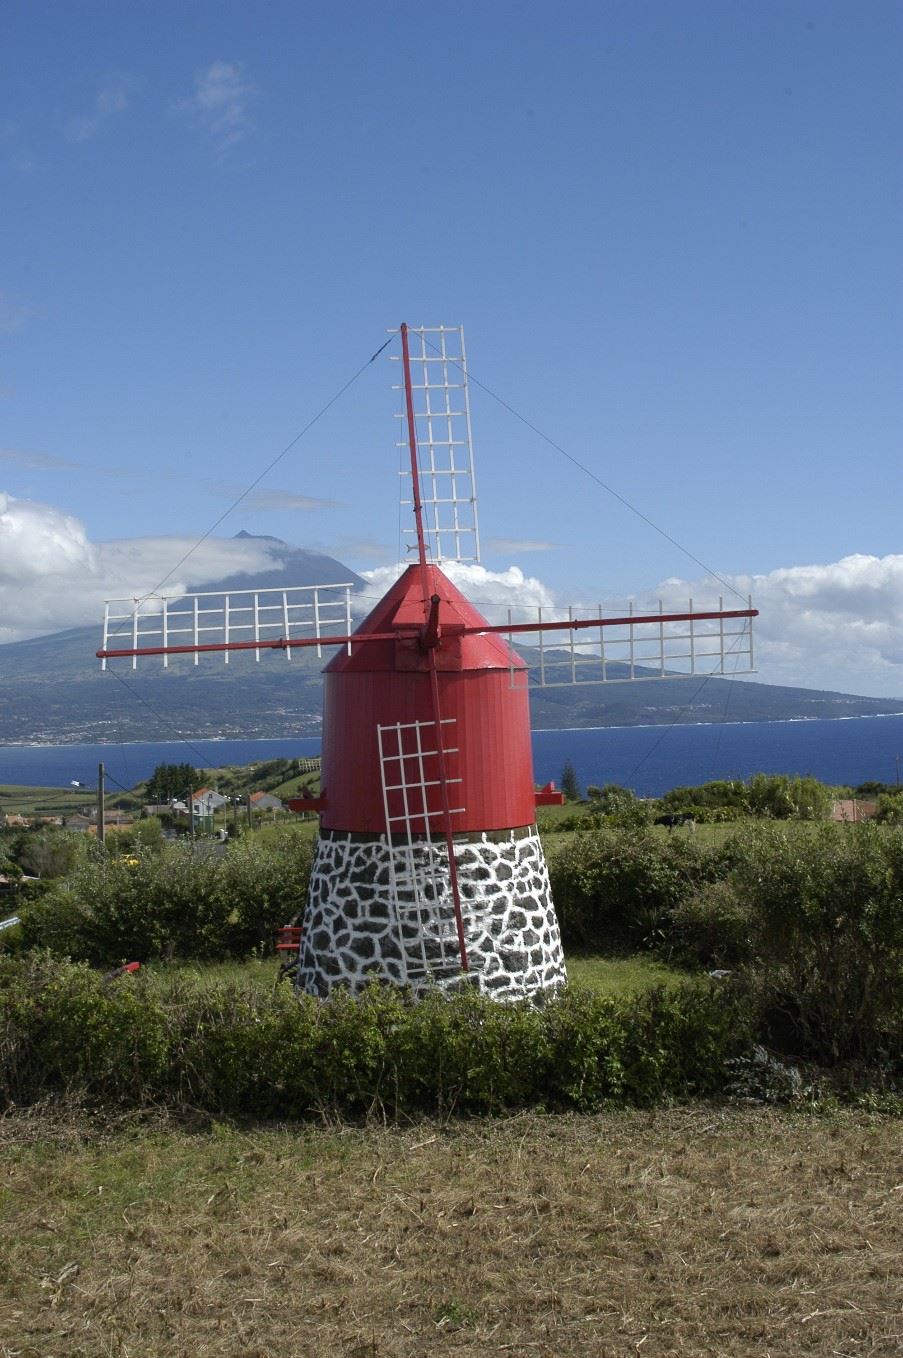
(429, 640)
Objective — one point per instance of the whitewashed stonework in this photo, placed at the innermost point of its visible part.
(355, 930)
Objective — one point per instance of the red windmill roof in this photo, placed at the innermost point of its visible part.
(401, 610)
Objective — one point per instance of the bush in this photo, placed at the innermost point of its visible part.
(238, 1050)
(62, 1030)
(174, 902)
(713, 927)
(619, 806)
(890, 809)
(616, 890)
(773, 796)
(46, 851)
(821, 917)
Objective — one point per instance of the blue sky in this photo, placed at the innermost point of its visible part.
(671, 231)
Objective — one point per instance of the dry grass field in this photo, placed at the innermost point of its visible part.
(706, 1231)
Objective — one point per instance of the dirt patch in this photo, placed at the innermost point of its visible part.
(687, 1232)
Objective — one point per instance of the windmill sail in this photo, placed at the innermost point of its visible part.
(251, 620)
(631, 646)
(441, 406)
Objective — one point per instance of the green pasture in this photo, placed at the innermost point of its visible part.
(605, 975)
(44, 801)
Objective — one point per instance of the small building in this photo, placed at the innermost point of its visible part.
(82, 825)
(207, 800)
(265, 801)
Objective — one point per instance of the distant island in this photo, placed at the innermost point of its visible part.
(52, 689)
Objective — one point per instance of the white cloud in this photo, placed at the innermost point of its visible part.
(18, 457)
(283, 499)
(52, 577)
(220, 103)
(112, 98)
(833, 625)
(13, 315)
(836, 625)
(492, 592)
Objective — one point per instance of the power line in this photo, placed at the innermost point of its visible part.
(581, 466)
(266, 471)
(160, 717)
(234, 505)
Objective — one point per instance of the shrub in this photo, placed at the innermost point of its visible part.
(616, 889)
(713, 927)
(174, 902)
(774, 796)
(824, 913)
(619, 806)
(890, 809)
(46, 851)
(239, 1050)
(62, 1029)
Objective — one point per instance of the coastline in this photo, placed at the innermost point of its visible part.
(649, 758)
(536, 731)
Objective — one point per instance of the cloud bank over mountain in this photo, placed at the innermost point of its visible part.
(836, 625)
(52, 577)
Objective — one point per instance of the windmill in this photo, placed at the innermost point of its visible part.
(429, 870)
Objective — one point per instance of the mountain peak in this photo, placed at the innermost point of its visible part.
(260, 537)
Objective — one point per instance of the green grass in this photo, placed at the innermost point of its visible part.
(209, 975)
(621, 975)
(44, 801)
(610, 975)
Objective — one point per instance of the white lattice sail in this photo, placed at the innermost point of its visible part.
(635, 646)
(160, 624)
(445, 446)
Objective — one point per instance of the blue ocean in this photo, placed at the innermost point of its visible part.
(649, 759)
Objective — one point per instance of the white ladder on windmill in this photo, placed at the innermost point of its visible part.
(418, 865)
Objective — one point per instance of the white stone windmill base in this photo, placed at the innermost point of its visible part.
(384, 913)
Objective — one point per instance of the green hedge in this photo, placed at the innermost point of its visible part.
(237, 1050)
(616, 889)
(173, 903)
(817, 918)
(813, 916)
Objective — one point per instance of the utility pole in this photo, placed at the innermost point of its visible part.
(101, 821)
(191, 812)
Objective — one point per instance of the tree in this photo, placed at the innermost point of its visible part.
(569, 785)
(172, 780)
(46, 852)
(620, 805)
